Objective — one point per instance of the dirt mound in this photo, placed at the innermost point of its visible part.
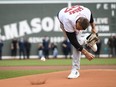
(88, 78)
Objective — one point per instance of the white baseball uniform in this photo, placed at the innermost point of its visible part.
(68, 17)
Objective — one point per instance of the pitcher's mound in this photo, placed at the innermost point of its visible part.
(88, 78)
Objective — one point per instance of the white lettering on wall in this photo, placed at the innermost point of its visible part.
(113, 13)
(103, 28)
(113, 6)
(101, 20)
(98, 6)
(105, 6)
(56, 25)
(11, 31)
(40, 39)
(47, 24)
(24, 28)
(36, 25)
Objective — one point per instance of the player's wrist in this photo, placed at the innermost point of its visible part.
(84, 51)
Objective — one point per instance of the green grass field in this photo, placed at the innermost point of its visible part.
(4, 74)
(52, 62)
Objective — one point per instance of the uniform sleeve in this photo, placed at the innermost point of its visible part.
(73, 40)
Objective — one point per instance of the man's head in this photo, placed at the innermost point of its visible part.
(82, 23)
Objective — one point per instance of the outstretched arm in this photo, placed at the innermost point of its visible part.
(75, 43)
(72, 38)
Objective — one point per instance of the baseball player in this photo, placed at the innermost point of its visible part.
(74, 20)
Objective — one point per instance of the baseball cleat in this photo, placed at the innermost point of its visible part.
(73, 74)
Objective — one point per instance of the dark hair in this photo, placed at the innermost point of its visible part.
(84, 23)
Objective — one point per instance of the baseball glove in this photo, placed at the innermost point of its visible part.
(92, 39)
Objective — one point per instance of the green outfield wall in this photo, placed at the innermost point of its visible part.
(34, 20)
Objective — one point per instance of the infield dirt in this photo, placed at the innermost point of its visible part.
(89, 77)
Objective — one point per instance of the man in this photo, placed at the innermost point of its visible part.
(21, 45)
(73, 21)
(14, 46)
(27, 48)
(46, 46)
(1, 48)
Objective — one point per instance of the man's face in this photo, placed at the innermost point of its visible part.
(78, 27)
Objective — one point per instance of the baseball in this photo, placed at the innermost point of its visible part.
(43, 59)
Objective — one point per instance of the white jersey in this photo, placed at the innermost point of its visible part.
(68, 16)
